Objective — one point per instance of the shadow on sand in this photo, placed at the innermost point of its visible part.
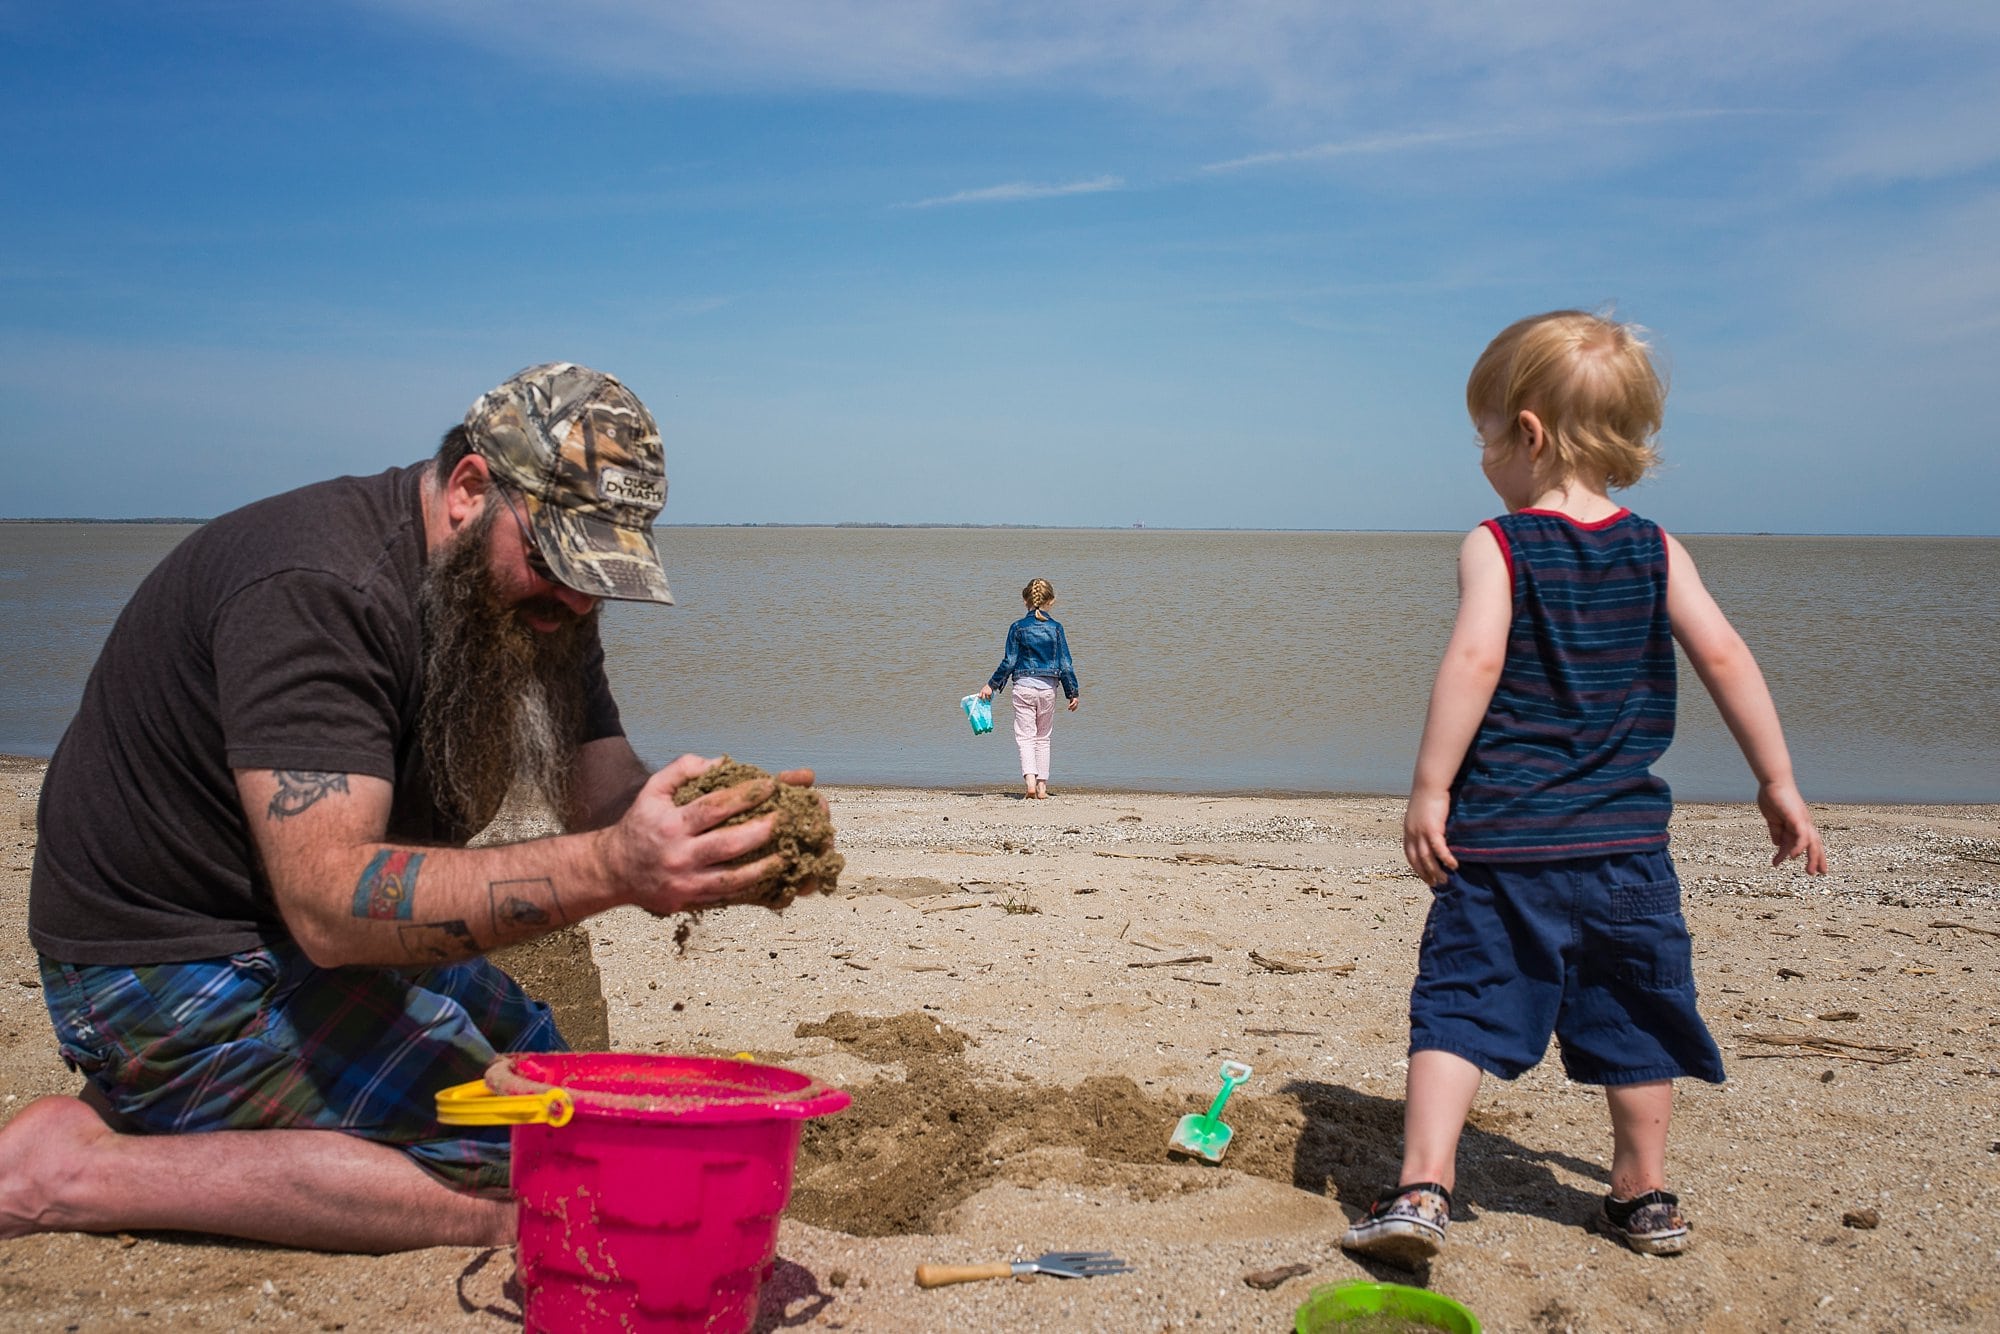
(1351, 1150)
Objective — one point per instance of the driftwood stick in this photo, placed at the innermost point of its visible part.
(1814, 1054)
(1283, 966)
(1815, 1040)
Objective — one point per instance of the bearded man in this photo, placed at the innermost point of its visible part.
(260, 932)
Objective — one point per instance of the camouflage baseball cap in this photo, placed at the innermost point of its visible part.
(585, 453)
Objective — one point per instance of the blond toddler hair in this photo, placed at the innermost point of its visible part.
(1038, 594)
(1592, 382)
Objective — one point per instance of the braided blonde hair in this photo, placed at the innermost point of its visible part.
(1038, 594)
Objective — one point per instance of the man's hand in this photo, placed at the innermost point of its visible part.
(1793, 833)
(1423, 837)
(804, 778)
(671, 858)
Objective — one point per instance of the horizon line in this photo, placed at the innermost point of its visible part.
(193, 521)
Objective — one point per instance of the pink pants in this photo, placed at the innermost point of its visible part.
(1034, 723)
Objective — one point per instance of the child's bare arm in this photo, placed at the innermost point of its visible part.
(1464, 687)
(1734, 682)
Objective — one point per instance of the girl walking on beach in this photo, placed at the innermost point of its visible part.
(1037, 657)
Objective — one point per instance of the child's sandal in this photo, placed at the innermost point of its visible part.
(1404, 1226)
(1651, 1224)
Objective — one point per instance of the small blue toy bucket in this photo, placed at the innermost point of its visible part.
(980, 712)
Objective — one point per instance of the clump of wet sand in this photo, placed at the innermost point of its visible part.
(803, 836)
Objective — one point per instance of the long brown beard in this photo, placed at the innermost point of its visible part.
(503, 703)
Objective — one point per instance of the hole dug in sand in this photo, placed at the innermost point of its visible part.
(910, 1150)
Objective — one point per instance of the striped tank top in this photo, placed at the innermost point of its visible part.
(1562, 764)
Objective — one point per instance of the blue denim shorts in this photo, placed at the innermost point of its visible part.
(1593, 950)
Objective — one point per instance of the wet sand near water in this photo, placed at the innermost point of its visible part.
(1023, 997)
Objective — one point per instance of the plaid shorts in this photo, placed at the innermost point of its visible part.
(266, 1040)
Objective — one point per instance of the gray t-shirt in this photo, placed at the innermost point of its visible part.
(283, 635)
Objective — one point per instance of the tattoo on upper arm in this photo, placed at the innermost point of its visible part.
(438, 942)
(524, 907)
(387, 890)
(300, 788)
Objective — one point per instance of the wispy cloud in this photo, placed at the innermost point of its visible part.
(1379, 143)
(1937, 283)
(1943, 129)
(1420, 139)
(1896, 93)
(1283, 52)
(1016, 191)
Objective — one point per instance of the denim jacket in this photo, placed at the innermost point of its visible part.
(1037, 648)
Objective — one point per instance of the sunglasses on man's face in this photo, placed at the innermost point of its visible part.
(530, 551)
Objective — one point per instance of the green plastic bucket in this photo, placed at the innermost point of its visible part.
(1331, 1307)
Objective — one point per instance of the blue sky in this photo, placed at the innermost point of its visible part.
(1185, 264)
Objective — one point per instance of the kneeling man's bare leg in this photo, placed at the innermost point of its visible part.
(62, 1169)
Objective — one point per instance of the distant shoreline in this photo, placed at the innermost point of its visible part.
(195, 522)
(15, 762)
(1097, 528)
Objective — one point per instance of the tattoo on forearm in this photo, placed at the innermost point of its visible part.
(300, 788)
(523, 908)
(387, 890)
(438, 942)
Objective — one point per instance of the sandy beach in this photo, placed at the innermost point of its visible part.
(1024, 996)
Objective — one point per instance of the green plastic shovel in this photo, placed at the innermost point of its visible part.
(1202, 1134)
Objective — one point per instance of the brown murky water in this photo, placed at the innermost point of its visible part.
(1209, 660)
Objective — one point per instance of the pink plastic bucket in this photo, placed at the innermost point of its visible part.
(649, 1199)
